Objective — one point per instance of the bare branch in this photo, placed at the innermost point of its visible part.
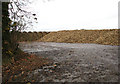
(20, 15)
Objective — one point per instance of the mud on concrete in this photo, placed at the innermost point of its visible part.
(75, 62)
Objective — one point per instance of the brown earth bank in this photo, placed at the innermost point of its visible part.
(106, 37)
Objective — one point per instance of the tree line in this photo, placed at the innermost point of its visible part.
(29, 36)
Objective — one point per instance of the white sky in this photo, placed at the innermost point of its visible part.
(75, 14)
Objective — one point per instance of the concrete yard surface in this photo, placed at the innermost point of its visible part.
(75, 62)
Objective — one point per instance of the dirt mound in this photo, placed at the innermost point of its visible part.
(109, 37)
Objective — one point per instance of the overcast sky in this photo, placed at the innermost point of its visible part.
(75, 14)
